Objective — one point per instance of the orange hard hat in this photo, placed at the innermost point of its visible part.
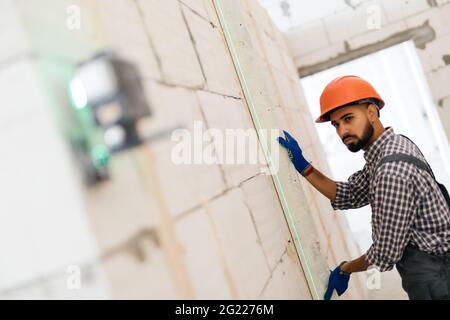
(343, 91)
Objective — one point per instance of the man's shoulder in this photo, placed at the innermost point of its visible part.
(398, 144)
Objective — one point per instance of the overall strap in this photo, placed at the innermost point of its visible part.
(406, 158)
(429, 168)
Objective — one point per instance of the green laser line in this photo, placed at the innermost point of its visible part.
(268, 154)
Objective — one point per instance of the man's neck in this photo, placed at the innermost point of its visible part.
(377, 132)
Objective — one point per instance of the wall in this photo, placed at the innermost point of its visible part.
(355, 31)
(45, 230)
(156, 229)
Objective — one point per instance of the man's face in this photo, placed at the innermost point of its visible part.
(352, 126)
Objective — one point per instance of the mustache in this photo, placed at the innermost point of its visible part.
(347, 136)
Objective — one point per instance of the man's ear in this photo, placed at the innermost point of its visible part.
(373, 111)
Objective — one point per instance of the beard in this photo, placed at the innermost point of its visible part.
(361, 143)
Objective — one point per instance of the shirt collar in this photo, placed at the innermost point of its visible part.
(373, 150)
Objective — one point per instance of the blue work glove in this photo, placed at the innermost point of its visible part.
(295, 153)
(338, 280)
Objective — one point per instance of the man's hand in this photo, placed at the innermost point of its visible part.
(295, 153)
(338, 281)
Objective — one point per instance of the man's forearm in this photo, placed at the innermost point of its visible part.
(357, 265)
(323, 184)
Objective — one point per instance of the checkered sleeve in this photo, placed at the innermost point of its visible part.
(393, 209)
(353, 193)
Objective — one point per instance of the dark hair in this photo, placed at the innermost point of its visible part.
(369, 101)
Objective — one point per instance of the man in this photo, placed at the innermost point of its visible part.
(410, 215)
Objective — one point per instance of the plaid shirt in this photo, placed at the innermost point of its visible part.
(407, 204)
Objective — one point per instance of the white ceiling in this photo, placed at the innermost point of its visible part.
(301, 12)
